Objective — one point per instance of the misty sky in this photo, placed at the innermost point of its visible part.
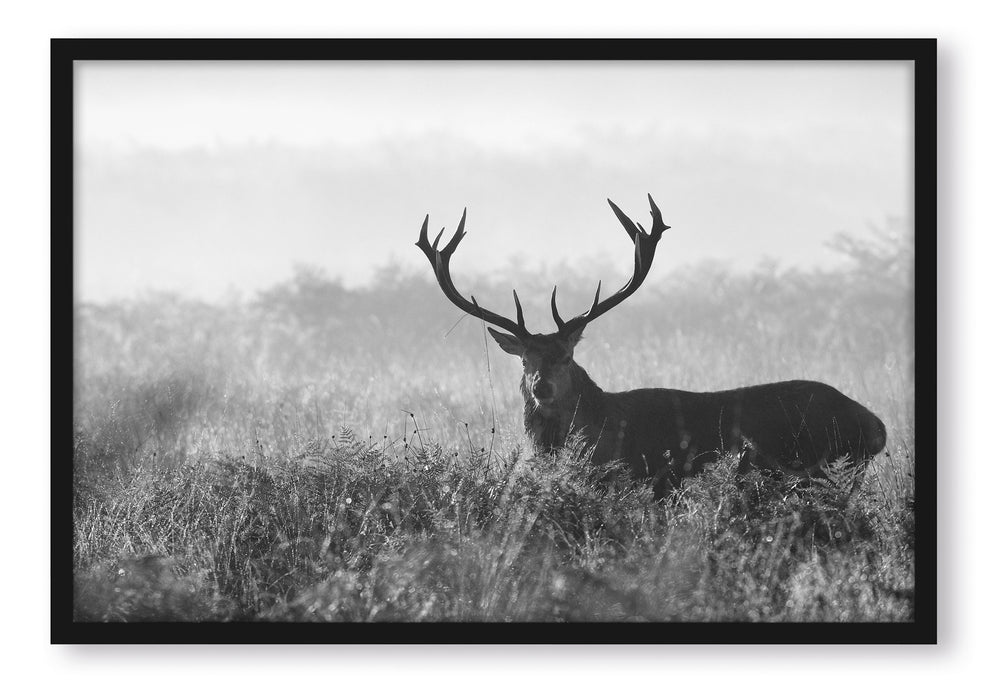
(209, 177)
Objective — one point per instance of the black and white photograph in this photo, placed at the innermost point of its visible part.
(576, 334)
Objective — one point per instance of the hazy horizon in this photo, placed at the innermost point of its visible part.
(204, 178)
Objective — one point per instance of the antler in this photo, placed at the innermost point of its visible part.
(440, 259)
(646, 246)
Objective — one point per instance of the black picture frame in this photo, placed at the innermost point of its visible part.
(64, 52)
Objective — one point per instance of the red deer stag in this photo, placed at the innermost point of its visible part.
(795, 426)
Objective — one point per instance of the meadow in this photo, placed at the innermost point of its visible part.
(316, 453)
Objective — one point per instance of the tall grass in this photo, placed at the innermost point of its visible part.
(318, 453)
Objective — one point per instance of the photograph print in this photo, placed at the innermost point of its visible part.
(668, 379)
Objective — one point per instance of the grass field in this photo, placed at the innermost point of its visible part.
(317, 453)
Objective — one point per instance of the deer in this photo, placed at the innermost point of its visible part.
(798, 427)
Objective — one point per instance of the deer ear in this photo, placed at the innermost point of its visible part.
(510, 343)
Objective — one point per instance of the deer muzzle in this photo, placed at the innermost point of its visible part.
(542, 390)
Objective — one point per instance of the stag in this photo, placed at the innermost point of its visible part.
(798, 426)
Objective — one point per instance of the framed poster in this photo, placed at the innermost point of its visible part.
(286, 408)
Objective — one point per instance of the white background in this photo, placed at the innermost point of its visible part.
(956, 667)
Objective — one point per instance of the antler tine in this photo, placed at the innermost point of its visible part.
(658, 225)
(626, 222)
(424, 243)
(458, 235)
(440, 260)
(561, 324)
(553, 309)
(645, 246)
(519, 314)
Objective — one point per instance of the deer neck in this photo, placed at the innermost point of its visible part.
(548, 426)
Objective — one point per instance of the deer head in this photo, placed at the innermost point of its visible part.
(547, 357)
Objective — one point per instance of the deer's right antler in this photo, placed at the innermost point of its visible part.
(440, 260)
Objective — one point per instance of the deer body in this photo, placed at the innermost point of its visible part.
(666, 434)
(796, 426)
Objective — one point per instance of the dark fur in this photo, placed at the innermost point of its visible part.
(665, 434)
